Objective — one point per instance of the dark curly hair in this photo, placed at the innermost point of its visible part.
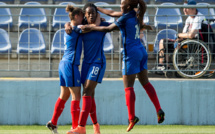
(89, 5)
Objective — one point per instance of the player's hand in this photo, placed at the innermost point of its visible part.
(86, 28)
(68, 28)
(148, 27)
(103, 19)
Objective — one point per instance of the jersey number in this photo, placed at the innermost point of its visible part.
(95, 70)
(137, 35)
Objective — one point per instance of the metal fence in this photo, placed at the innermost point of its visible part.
(46, 62)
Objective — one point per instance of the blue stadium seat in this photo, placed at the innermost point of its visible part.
(174, 1)
(5, 17)
(32, 17)
(146, 1)
(209, 14)
(108, 43)
(163, 34)
(58, 42)
(108, 1)
(168, 17)
(207, 1)
(31, 41)
(11, 1)
(61, 16)
(34, 0)
(106, 17)
(5, 45)
(79, 1)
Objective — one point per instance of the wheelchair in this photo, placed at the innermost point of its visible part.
(192, 58)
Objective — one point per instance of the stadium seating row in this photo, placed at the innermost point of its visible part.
(109, 1)
(36, 17)
(79, 1)
(32, 41)
(171, 17)
(181, 1)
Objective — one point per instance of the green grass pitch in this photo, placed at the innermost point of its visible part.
(113, 129)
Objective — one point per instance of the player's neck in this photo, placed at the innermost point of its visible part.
(127, 11)
(73, 23)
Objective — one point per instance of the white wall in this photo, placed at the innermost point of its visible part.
(31, 101)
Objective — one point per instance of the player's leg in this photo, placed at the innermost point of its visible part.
(59, 106)
(75, 105)
(91, 75)
(73, 81)
(93, 115)
(130, 98)
(131, 66)
(92, 112)
(143, 78)
(97, 75)
(60, 103)
(89, 87)
(58, 109)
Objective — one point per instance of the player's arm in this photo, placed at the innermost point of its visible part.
(189, 35)
(68, 28)
(100, 28)
(98, 20)
(110, 12)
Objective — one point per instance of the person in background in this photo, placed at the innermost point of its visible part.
(190, 31)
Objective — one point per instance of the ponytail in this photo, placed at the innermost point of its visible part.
(73, 11)
(69, 8)
(141, 11)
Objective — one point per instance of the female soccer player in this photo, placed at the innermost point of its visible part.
(134, 56)
(69, 74)
(93, 69)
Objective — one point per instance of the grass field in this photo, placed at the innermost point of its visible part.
(114, 129)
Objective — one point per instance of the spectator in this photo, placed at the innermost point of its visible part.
(190, 31)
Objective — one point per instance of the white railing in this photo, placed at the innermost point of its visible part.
(47, 62)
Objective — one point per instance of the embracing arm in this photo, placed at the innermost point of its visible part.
(110, 12)
(100, 28)
(68, 28)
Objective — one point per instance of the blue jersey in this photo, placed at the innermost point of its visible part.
(93, 46)
(73, 46)
(134, 54)
(130, 30)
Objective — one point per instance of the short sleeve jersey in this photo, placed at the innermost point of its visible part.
(93, 46)
(73, 46)
(193, 23)
(130, 30)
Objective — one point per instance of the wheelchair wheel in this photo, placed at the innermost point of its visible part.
(191, 59)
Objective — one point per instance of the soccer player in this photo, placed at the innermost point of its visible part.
(134, 56)
(69, 74)
(93, 69)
